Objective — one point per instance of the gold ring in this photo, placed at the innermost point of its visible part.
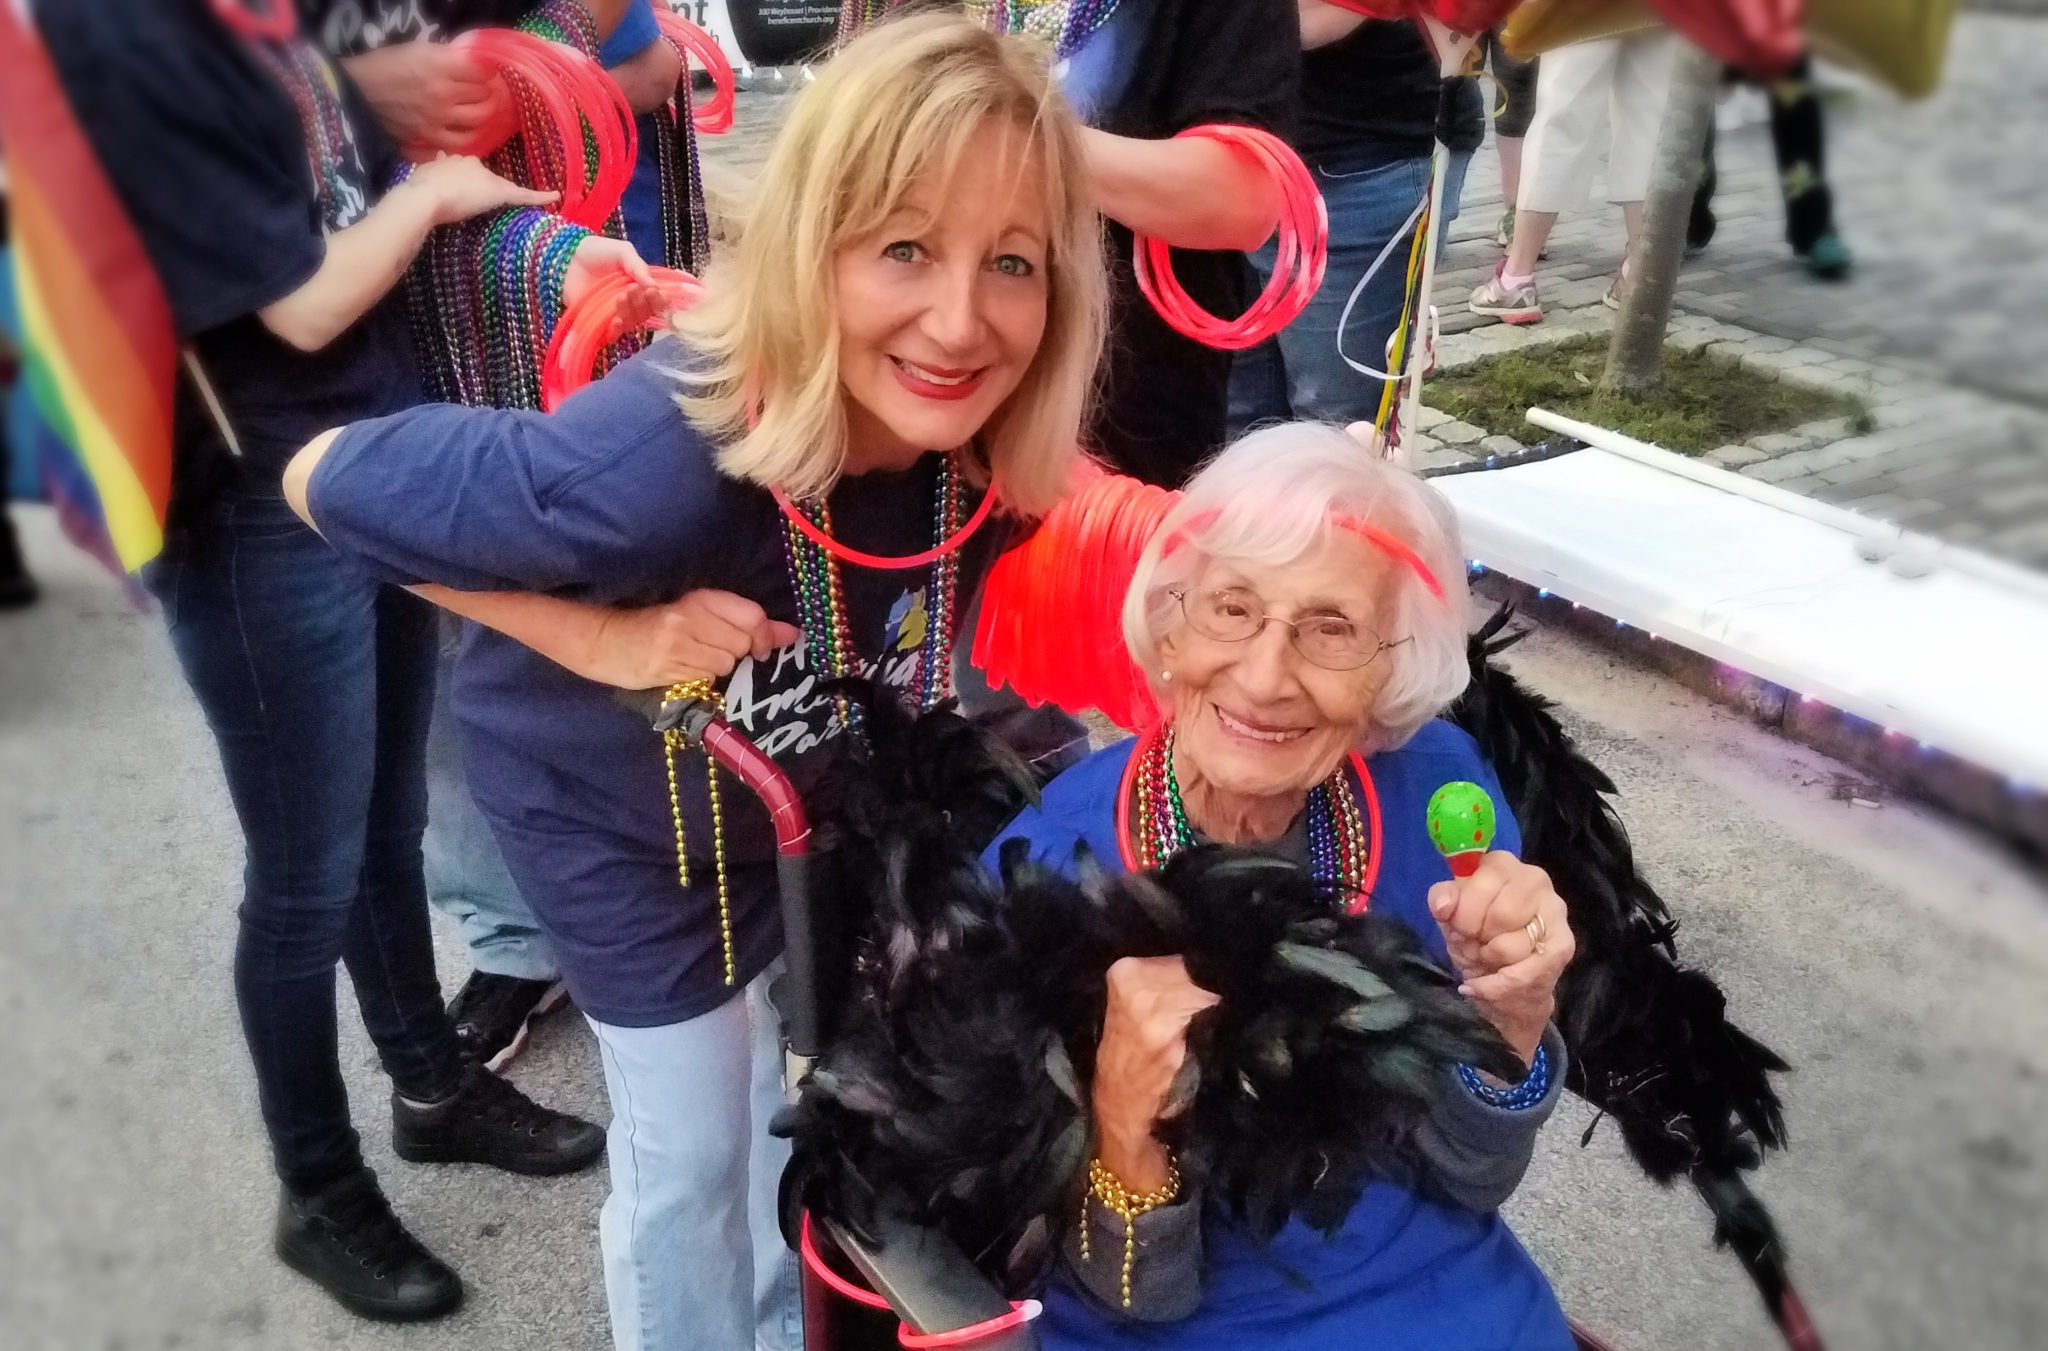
(1537, 931)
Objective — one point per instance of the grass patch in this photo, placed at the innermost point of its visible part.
(1708, 400)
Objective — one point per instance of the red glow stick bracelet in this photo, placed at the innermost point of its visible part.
(595, 322)
(1303, 253)
(1021, 1312)
(716, 115)
(603, 107)
(575, 93)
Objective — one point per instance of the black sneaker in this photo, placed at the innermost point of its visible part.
(346, 1240)
(489, 1121)
(494, 1013)
(17, 588)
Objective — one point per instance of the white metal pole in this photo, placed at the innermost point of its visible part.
(1452, 50)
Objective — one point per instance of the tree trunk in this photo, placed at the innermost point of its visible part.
(1635, 359)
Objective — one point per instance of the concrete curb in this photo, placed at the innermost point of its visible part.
(2016, 813)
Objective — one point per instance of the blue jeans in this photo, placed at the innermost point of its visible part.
(466, 875)
(1299, 374)
(693, 1256)
(317, 683)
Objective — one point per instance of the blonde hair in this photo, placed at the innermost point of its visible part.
(901, 102)
(1275, 497)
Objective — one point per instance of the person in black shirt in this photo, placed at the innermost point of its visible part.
(425, 91)
(256, 181)
(1152, 70)
(1372, 99)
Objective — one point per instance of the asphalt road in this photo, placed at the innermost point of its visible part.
(1900, 960)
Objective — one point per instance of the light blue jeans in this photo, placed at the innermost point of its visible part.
(693, 1257)
(466, 875)
(1299, 374)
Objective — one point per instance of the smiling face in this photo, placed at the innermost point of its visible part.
(1255, 721)
(941, 311)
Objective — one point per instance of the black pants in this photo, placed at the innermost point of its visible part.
(1798, 139)
(11, 565)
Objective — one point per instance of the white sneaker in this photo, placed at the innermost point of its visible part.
(1510, 306)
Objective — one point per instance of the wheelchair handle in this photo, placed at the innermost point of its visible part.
(796, 994)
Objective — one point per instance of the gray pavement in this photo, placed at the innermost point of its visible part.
(1898, 959)
(1944, 325)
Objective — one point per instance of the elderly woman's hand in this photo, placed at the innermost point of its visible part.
(1508, 935)
(1144, 1042)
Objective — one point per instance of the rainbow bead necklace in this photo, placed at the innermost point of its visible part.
(1066, 24)
(821, 607)
(1342, 838)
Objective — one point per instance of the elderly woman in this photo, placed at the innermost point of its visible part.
(785, 493)
(1301, 616)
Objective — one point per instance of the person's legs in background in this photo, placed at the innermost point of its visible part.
(693, 1257)
(1700, 227)
(279, 640)
(1514, 97)
(1798, 136)
(1369, 205)
(515, 980)
(1566, 133)
(316, 683)
(1640, 90)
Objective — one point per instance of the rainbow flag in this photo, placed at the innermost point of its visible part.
(98, 351)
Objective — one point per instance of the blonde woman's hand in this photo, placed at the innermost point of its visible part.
(1509, 937)
(701, 636)
(597, 258)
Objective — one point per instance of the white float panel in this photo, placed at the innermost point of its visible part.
(1957, 659)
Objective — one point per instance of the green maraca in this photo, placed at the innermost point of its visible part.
(1461, 824)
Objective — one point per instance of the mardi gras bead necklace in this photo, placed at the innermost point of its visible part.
(308, 80)
(674, 741)
(484, 300)
(821, 609)
(566, 22)
(856, 15)
(1343, 840)
(1066, 24)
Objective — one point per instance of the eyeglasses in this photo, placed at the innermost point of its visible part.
(1236, 615)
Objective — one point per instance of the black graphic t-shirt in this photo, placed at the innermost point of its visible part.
(350, 27)
(615, 499)
(204, 147)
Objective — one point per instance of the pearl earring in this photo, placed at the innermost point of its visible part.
(1166, 677)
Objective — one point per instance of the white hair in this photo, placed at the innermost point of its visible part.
(1274, 498)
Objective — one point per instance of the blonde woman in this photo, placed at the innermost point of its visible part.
(905, 327)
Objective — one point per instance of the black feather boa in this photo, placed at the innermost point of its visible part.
(954, 1086)
(1650, 1040)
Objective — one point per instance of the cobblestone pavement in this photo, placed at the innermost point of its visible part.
(1943, 328)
